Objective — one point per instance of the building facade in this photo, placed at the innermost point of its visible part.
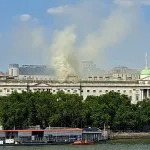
(137, 89)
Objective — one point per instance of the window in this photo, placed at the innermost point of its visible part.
(124, 91)
(53, 90)
(137, 97)
(68, 90)
(130, 91)
(100, 91)
(1, 91)
(88, 91)
(75, 91)
(106, 91)
(94, 91)
(48, 90)
(118, 91)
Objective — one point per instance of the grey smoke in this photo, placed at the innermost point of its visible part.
(84, 31)
(63, 47)
(110, 31)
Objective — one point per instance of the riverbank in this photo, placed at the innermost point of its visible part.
(129, 141)
(129, 135)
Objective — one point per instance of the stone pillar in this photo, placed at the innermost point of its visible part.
(147, 94)
(141, 94)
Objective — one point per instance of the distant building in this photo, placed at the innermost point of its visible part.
(136, 89)
(122, 73)
(123, 80)
(1, 74)
(88, 68)
(34, 72)
(13, 70)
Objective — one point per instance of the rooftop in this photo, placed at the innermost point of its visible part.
(146, 71)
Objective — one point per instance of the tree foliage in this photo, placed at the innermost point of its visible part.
(20, 111)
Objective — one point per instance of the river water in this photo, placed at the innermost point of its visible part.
(111, 145)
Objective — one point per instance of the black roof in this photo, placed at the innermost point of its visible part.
(90, 129)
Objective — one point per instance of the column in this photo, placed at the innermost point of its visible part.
(141, 94)
(147, 94)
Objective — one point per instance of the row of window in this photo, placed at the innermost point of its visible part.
(88, 91)
(106, 91)
(35, 78)
(48, 90)
(69, 90)
(11, 90)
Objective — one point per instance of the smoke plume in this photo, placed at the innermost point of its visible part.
(113, 29)
(109, 31)
(86, 30)
(63, 47)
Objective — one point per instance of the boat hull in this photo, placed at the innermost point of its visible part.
(83, 143)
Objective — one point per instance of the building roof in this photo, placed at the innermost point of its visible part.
(89, 129)
(1, 74)
(146, 71)
(47, 130)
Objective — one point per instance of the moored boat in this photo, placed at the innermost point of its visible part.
(83, 143)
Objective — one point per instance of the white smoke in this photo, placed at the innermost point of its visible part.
(110, 31)
(63, 47)
(85, 31)
(113, 30)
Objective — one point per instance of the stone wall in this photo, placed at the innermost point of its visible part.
(130, 135)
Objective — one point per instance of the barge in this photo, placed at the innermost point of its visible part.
(51, 136)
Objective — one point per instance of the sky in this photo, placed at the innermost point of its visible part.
(62, 33)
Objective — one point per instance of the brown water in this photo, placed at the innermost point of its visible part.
(111, 145)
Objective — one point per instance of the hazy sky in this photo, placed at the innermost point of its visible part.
(109, 32)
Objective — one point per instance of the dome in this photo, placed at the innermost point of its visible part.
(145, 71)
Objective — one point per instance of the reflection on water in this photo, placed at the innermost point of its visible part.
(111, 145)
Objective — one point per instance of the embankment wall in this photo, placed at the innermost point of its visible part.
(130, 135)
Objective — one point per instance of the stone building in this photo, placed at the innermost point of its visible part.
(137, 88)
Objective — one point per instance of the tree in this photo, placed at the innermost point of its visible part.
(20, 111)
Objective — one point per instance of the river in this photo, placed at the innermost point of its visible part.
(111, 145)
